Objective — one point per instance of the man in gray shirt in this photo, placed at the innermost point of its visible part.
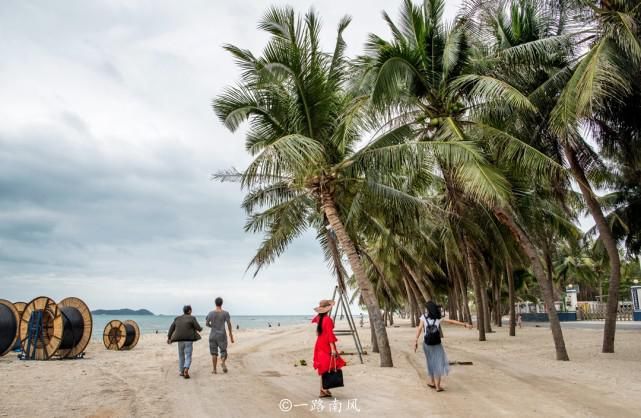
(216, 320)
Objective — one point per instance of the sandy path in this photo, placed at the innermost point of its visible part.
(510, 376)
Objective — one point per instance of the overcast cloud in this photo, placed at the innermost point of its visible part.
(107, 142)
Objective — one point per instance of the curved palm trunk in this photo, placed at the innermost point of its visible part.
(476, 283)
(510, 286)
(498, 283)
(466, 303)
(419, 297)
(487, 316)
(372, 332)
(410, 302)
(376, 320)
(425, 291)
(605, 234)
(546, 288)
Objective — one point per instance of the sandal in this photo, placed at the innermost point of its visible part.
(431, 385)
(440, 390)
(224, 369)
(325, 394)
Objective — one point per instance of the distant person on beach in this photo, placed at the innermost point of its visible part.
(362, 321)
(435, 357)
(325, 353)
(216, 320)
(519, 321)
(184, 330)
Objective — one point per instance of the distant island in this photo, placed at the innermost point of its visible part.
(122, 312)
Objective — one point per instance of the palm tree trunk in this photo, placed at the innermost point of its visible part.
(419, 297)
(465, 300)
(605, 234)
(453, 300)
(487, 317)
(425, 290)
(473, 272)
(511, 297)
(410, 302)
(487, 313)
(526, 244)
(497, 298)
(372, 332)
(418, 303)
(369, 297)
(550, 274)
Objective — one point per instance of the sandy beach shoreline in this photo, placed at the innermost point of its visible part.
(509, 376)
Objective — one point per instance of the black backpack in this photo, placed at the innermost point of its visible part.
(432, 333)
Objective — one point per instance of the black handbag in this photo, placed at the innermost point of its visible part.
(333, 378)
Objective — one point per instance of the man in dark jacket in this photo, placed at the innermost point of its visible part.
(184, 330)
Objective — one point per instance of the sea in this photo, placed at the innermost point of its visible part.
(150, 324)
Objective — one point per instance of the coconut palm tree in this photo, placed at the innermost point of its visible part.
(305, 129)
(601, 41)
(424, 74)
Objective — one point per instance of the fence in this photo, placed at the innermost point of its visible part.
(597, 310)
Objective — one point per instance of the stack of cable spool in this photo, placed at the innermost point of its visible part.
(119, 335)
(48, 329)
(8, 326)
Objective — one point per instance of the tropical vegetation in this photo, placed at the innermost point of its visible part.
(455, 160)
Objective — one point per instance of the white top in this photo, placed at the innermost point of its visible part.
(437, 322)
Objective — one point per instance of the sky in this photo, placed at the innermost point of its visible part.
(107, 145)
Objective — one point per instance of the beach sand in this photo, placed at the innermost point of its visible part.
(515, 376)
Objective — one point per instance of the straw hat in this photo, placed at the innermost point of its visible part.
(324, 306)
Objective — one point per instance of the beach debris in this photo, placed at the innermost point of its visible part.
(303, 362)
(461, 363)
(350, 353)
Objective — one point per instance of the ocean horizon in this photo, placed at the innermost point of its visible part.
(150, 324)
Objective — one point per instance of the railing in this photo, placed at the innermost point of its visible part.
(591, 311)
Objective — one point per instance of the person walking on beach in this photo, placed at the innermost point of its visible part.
(325, 354)
(437, 363)
(184, 330)
(216, 320)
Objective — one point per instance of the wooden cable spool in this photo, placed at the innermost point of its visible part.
(77, 327)
(20, 308)
(120, 336)
(9, 321)
(41, 329)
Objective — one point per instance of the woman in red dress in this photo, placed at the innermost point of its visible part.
(325, 353)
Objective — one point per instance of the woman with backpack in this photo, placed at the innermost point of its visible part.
(437, 364)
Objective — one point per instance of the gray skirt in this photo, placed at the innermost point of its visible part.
(437, 364)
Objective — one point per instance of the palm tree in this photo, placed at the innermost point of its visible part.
(601, 42)
(424, 75)
(305, 125)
